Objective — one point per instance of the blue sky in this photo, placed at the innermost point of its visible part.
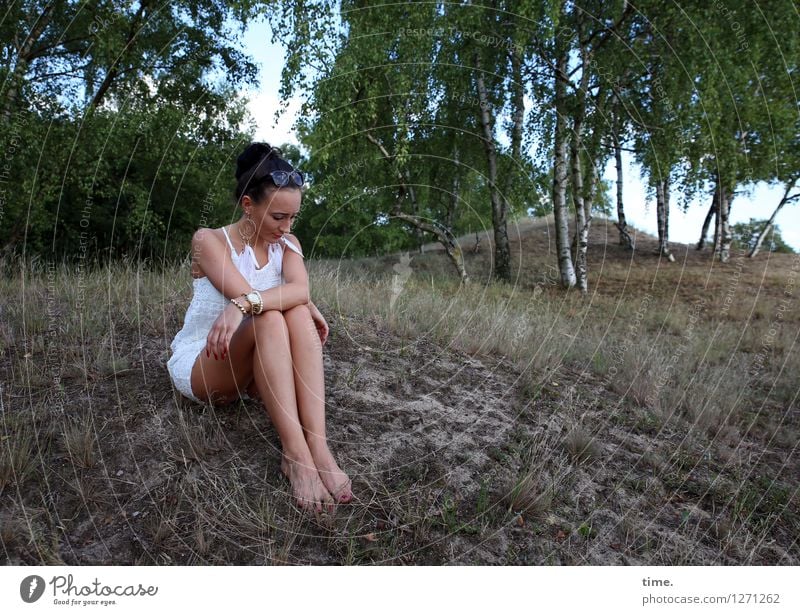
(640, 211)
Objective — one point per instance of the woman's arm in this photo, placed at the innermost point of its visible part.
(295, 289)
(213, 256)
(319, 322)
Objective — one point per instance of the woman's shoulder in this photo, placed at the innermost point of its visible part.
(200, 240)
(293, 243)
(203, 232)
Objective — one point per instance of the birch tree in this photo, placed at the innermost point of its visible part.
(787, 197)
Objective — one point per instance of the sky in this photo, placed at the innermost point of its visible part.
(639, 210)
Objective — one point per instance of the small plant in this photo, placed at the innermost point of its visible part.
(17, 460)
(482, 505)
(450, 519)
(581, 446)
(634, 537)
(200, 540)
(353, 374)
(586, 530)
(79, 442)
(599, 363)
(91, 493)
(449, 513)
(529, 496)
(196, 440)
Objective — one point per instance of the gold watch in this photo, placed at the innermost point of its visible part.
(254, 297)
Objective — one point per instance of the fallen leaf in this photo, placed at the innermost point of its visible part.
(370, 537)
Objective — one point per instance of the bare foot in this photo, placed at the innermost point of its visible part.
(307, 488)
(336, 481)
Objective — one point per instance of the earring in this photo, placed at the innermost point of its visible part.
(246, 238)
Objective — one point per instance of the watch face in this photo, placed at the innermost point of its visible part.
(253, 299)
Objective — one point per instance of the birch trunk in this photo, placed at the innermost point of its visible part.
(724, 226)
(580, 199)
(518, 116)
(455, 192)
(762, 235)
(625, 238)
(561, 215)
(417, 231)
(581, 219)
(451, 247)
(662, 213)
(712, 211)
(588, 201)
(718, 218)
(768, 226)
(502, 253)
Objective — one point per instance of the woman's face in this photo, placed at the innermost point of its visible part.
(275, 214)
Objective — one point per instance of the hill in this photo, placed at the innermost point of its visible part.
(652, 422)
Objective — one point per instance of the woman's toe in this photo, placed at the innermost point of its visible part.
(345, 495)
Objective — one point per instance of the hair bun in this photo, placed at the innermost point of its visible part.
(254, 154)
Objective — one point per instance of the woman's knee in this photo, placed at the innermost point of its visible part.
(269, 319)
(270, 324)
(301, 325)
(299, 312)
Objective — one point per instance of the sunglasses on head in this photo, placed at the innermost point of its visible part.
(281, 178)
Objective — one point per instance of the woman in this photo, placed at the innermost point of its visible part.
(251, 325)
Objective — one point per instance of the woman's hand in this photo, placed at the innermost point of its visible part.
(319, 322)
(219, 337)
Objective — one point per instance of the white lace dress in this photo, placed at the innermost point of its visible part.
(207, 304)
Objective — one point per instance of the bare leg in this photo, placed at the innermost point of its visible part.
(272, 373)
(309, 380)
(220, 380)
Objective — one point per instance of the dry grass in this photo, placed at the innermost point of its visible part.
(79, 442)
(652, 422)
(17, 459)
(581, 446)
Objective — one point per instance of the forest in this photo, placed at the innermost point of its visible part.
(121, 121)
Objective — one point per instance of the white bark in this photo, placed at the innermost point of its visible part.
(662, 213)
(625, 238)
(446, 239)
(581, 218)
(561, 214)
(768, 226)
(502, 269)
(723, 237)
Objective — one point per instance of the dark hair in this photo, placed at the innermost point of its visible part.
(252, 171)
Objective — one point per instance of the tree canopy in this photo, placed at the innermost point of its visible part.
(420, 121)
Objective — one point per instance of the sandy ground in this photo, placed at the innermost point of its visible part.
(435, 439)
